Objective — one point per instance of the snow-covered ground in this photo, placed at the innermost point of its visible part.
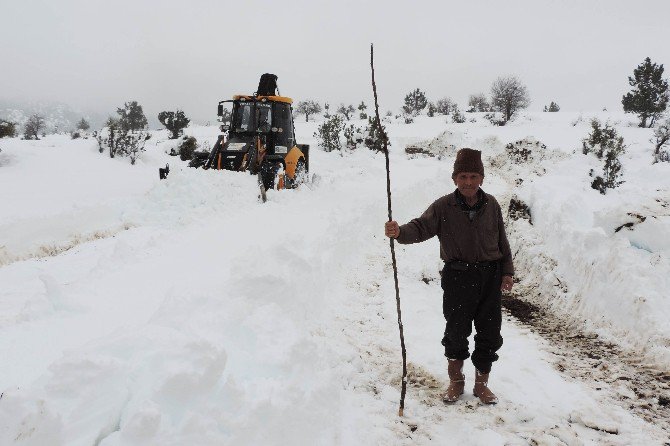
(135, 311)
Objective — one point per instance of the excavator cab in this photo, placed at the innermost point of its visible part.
(260, 139)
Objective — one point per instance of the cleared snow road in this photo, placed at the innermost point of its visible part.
(217, 320)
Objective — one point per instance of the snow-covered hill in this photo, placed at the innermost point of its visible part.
(58, 117)
(135, 311)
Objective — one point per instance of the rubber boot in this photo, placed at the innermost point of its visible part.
(482, 390)
(456, 381)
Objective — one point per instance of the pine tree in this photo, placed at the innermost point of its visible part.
(611, 174)
(375, 135)
(131, 117)
(649, 96)
(328, 134)
(83, 125)
(605, 143)
(553, 107)
(415, 102)
(362, 107)
(457, 117)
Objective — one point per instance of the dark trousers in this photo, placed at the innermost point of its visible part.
(472, 295)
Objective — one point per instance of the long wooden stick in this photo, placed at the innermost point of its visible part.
(384, 137)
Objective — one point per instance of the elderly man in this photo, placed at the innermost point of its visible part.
(478, 266)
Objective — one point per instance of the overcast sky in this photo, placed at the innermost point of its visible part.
(96, 54)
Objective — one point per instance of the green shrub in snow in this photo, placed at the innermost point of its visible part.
(7, 129)
(375, 135)
(187, 148)
(83, 125)
(602, 139)
(118, 140)
(552, 108)
(362, 108)
(175, 122)
(415, 102)
(607, 145)
(457, 116)
(328, 134)
(131, 117)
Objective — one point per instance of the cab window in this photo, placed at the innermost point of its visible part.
(283, 137)
(264, 117)
(244, 117)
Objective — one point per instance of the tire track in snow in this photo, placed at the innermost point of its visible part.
(58, 247)
(426, 414)
(373, 318)
(601, 365)
(623, 377)
(187, 196)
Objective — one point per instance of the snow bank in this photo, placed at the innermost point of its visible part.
(184, 312)
(600, 261)
(611, 278)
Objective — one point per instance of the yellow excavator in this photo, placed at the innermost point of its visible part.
(260, 139)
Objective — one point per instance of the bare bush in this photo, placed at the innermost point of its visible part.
(308, 107)
(508, 95)
(478, 103)
(33, 126)
(346, 110)
(661, 139)
(444, 106)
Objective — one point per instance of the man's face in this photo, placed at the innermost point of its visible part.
(468, 183)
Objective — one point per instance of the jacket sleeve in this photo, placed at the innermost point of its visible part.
(507, 266)
(422, 228)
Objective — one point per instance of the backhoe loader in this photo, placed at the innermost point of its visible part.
(260, 139)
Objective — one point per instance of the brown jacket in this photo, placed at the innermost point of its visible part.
(483, 239)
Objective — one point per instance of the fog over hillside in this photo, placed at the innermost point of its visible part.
(96, 55)
(59, 117)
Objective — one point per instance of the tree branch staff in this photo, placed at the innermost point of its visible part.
(478, 266)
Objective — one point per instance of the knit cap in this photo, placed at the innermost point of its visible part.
(468, 160)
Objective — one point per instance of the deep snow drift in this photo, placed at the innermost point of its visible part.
(139, 311)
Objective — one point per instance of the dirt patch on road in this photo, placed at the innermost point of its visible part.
(525, 312)
(601, 365)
